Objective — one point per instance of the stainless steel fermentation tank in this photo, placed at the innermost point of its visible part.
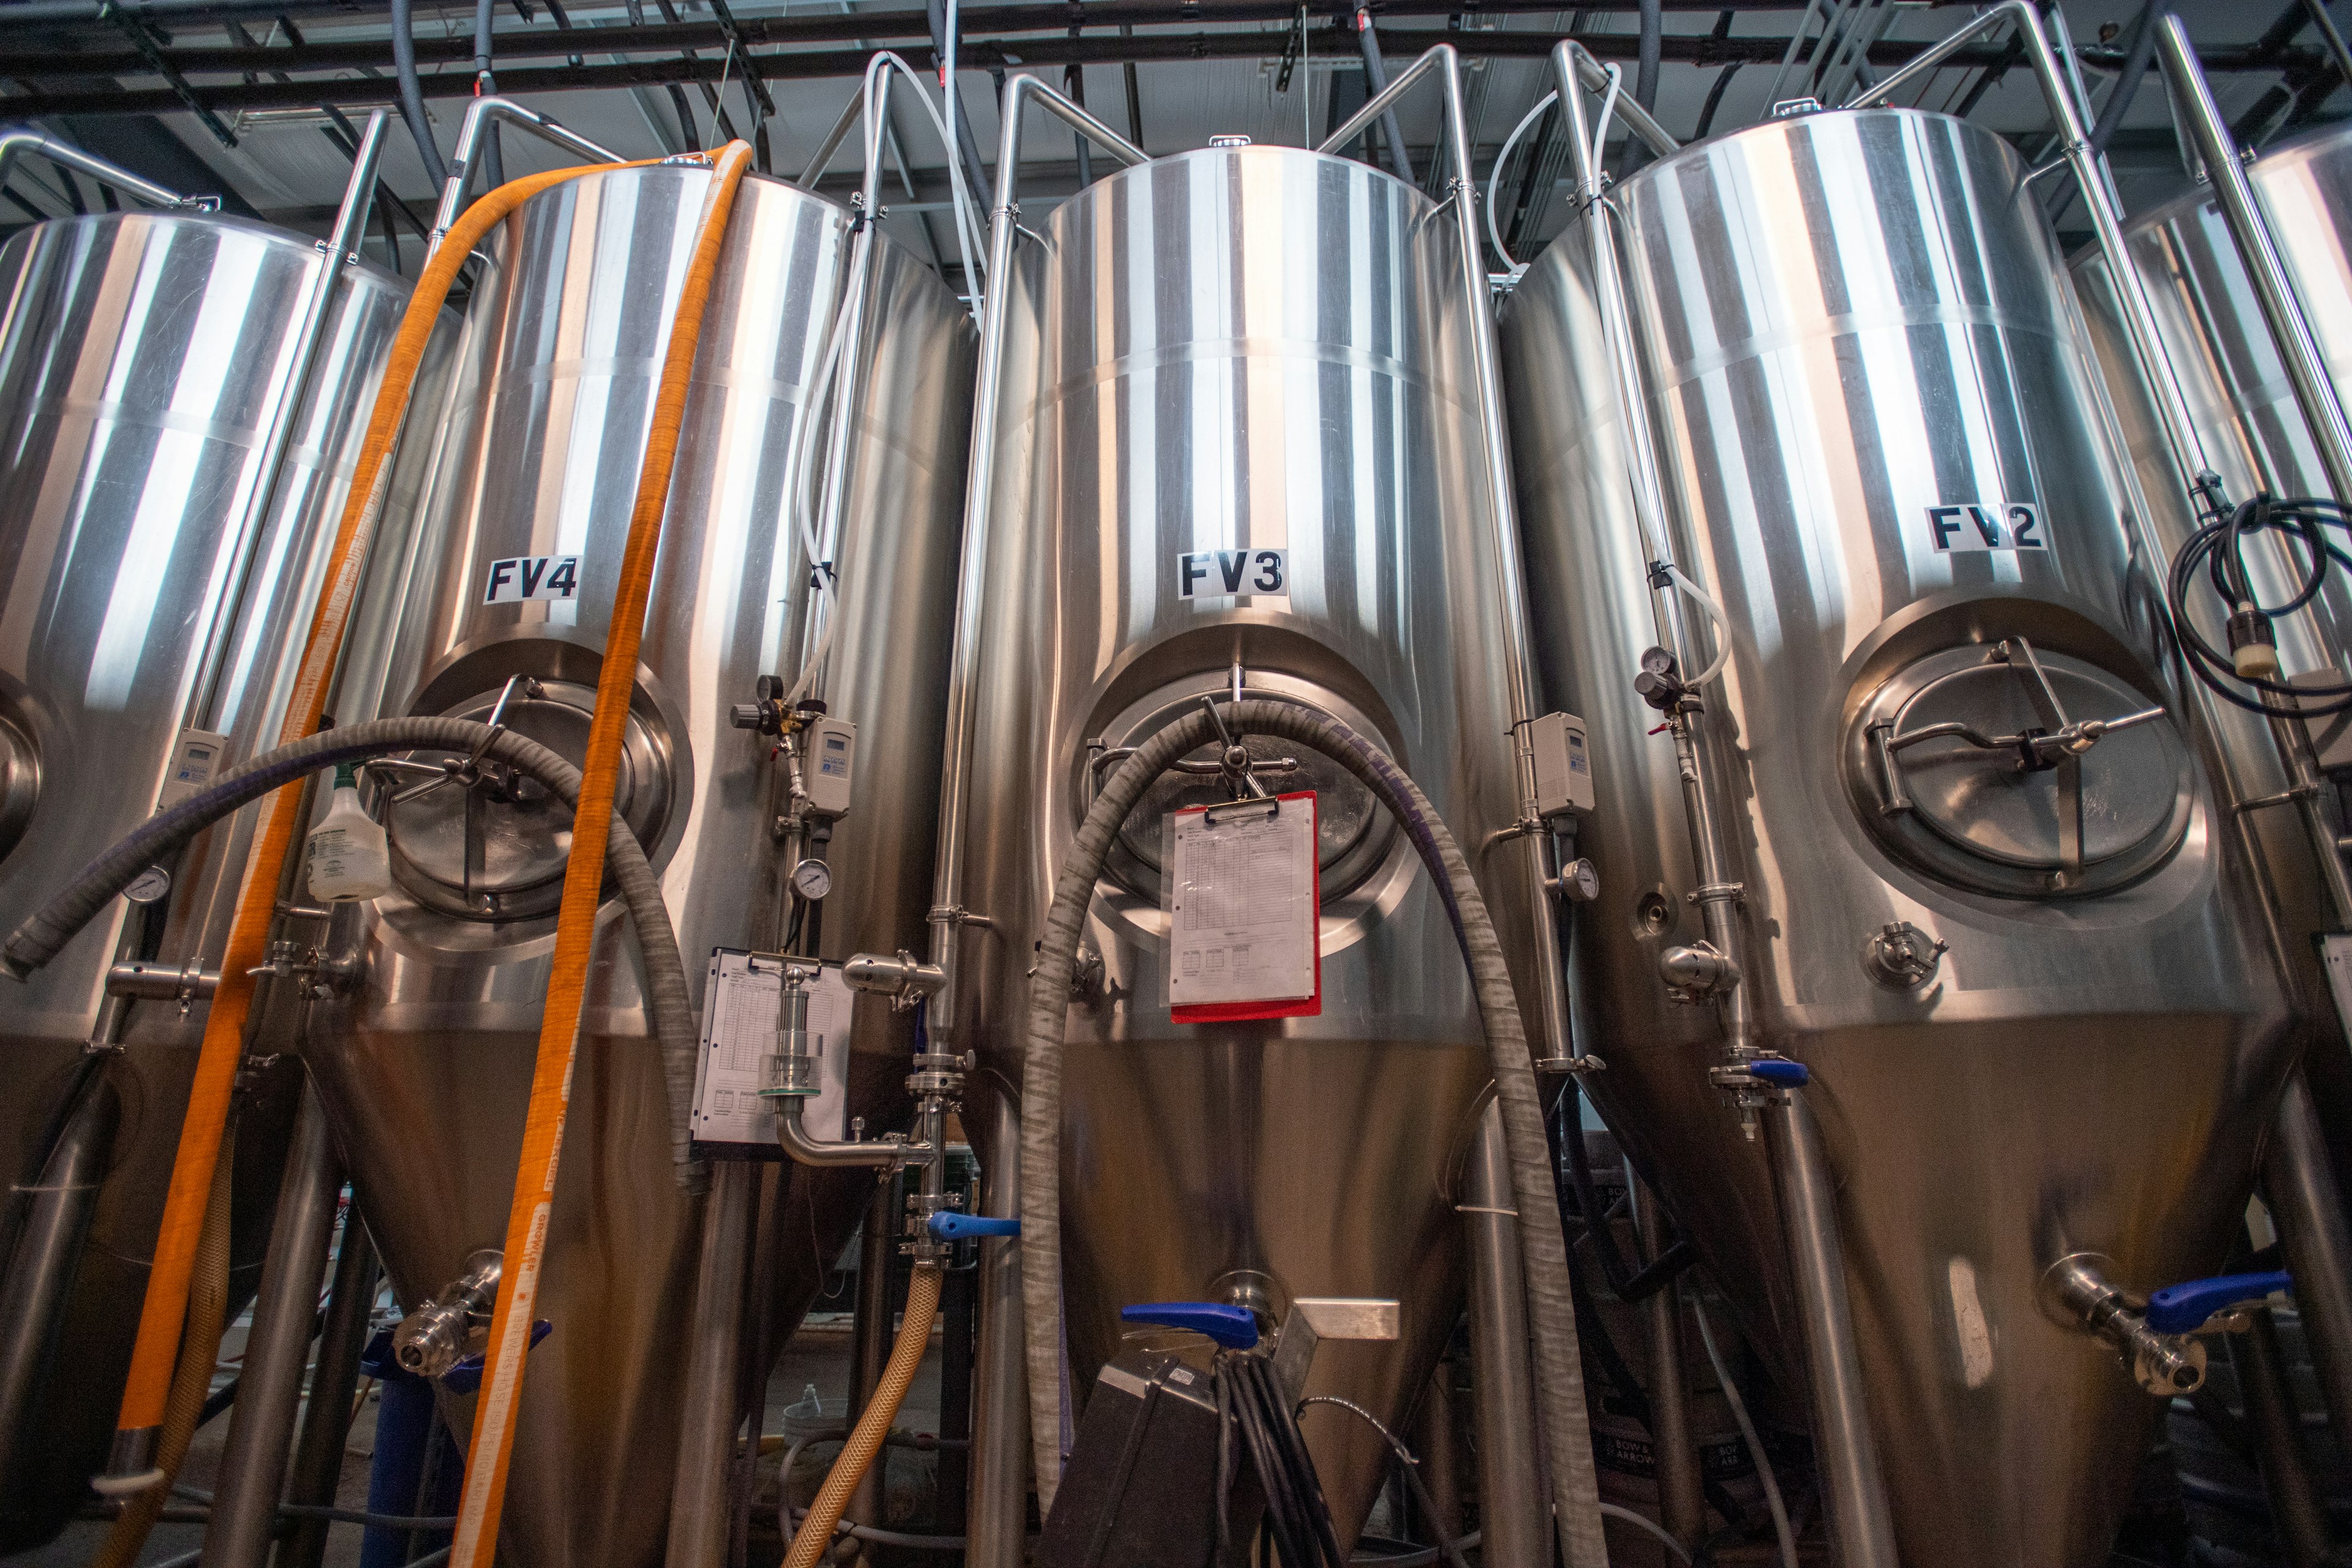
(1845, 325)
(426, 1075)
(2243, 403)
(145, 588)
(1245, 349)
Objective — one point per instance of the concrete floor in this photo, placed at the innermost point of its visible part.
(818, 1355)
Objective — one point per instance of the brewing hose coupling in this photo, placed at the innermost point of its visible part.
(442, 1332)
(2076, 1293)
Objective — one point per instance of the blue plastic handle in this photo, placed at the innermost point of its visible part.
(951, 1227)
(2179, 1309)
(1235, 1328)
(1786, 1074)
(467, 1375)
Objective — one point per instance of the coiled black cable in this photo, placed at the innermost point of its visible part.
(2217, 550)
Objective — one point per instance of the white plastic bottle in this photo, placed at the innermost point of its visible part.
(349, 856)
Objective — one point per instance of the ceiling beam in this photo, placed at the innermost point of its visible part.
(978, 52)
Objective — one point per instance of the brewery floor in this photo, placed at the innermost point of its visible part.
(817, 1356)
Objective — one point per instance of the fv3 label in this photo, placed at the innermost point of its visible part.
(1214, 573)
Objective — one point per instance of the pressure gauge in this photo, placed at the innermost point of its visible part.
(1657, 661)
(812, 878)
(1578, 882)
(148, 886)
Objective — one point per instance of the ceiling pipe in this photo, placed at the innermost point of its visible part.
(981, 54)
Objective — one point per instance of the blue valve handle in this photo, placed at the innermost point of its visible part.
(949, 1225)
(1235, 1328)
(467, 1375)
(2182, 1309)
(1777, 1071)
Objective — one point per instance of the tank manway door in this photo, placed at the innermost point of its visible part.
(492, 844)
(2009, 770)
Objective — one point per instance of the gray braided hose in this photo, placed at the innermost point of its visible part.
(667, 1001)
(1559, 1375)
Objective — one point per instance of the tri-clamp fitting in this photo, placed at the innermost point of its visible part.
(444, 1331)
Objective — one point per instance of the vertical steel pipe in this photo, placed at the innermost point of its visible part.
(2272, 1421)
(1513, 1500)
(337, 250)
(269, 1390)
(318, 1465)
(47, 1255)
(871, 1337)
(2299, 1184)
(1682, 1502)
(1862, 1528)
(2282, 312)
(697, 1505)
(998, 1524)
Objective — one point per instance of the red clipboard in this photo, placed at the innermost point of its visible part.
(1309, 1006)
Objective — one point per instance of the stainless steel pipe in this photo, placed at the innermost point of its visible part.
(1682, 1501)
(2307, 367)
(1513, 1500)
(2299, 1186)
(269, 1389)
(41, 1265)
(1861, 1527)
(705, 1451)
(319, 1450)
(341, 248)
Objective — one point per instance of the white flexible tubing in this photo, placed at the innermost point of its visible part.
(1502, 161)
(1748, 1435)
(967, 219)
(1607, 111)
(1715, 612)
(796, 491)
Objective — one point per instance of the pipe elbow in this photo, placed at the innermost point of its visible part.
(825, 1153)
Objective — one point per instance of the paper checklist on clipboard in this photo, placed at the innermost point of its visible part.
(738, 1033)
(1242, 895)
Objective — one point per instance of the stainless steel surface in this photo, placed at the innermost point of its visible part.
(269, 1383)
(1681, 1504)
(1841, 321)
(2275, 1426)
(427, 1073)
(698, 1518)
(1512, 1509)
(1845, 1446)
(143, 360)
(2304, 1199)
(1266, 347)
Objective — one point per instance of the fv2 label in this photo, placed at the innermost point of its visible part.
(1987, 525)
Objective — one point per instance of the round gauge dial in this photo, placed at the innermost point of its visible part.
(812, 878)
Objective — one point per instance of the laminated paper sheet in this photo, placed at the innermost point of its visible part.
(739, 1031)
(1243, 889)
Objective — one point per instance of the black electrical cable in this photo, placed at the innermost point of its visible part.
(1298, 1527)
(412, 91)
(2217, 550)
(2136, 58)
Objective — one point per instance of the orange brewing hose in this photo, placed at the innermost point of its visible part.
(583, 886)
(161, 1317)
